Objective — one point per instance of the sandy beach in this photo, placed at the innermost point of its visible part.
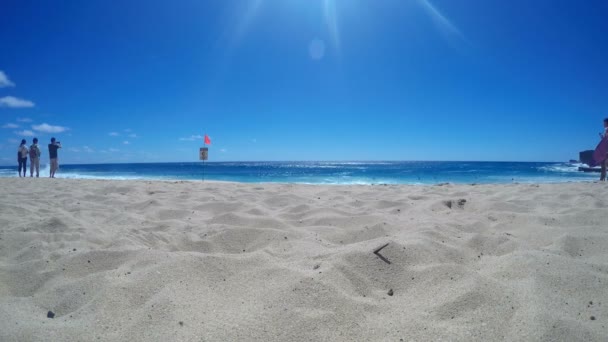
(193, 261)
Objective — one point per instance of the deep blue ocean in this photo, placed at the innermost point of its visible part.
(411, 172)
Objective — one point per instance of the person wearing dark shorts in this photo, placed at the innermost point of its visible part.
(22, 157)
(53, 147)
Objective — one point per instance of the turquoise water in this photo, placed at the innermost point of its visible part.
(330, 172)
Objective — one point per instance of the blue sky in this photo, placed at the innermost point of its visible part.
(140, 81)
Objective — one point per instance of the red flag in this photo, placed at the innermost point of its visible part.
(207, 140)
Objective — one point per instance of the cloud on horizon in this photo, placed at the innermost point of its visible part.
(10, 125)
(14, 102)
(113, 134)
(5, 81)
(192, 138)
(46, 128)
(24, 120)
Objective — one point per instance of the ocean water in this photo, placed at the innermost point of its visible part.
(410, 172)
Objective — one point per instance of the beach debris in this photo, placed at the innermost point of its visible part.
(181, 323)
(377, 252)
(316, 267)
(460, 203)
(390, 292)
(50, 314)
(592, 318)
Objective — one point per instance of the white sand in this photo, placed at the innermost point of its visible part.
(130, 260)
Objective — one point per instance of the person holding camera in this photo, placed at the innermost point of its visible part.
(53, 147)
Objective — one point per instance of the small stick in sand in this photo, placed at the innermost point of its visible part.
(377, 252)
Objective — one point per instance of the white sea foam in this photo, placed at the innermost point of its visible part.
(45, 171)
(563, 168)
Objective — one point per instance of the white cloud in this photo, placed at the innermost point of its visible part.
(24, 120)
(72, 149)
(14, 102)
(113, 134)
(192, 138)
(4, 81)
(13, 141)
(127, 130)
(223, 150)
(10, 125)
(113, 150)
(133, 135)
(25, 133)
(126, 142)
(87, 149)
(46, 128)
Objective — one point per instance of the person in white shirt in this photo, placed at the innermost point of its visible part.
(22, 153)
(35, 158)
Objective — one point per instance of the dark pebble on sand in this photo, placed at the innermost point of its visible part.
(181, 323)
(74, 249)
(390, 292)
(316, 267)
(50, 314)
(592, 318)
(89, 261)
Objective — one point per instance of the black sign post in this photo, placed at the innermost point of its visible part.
(203, 154)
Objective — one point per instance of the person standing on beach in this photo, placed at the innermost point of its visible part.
(35, 158)
(53, 147)
(605, 162)
(22, 157)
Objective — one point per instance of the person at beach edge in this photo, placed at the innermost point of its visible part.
(53, 147)
(35, 158)
(22, 157)
(605, 162)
